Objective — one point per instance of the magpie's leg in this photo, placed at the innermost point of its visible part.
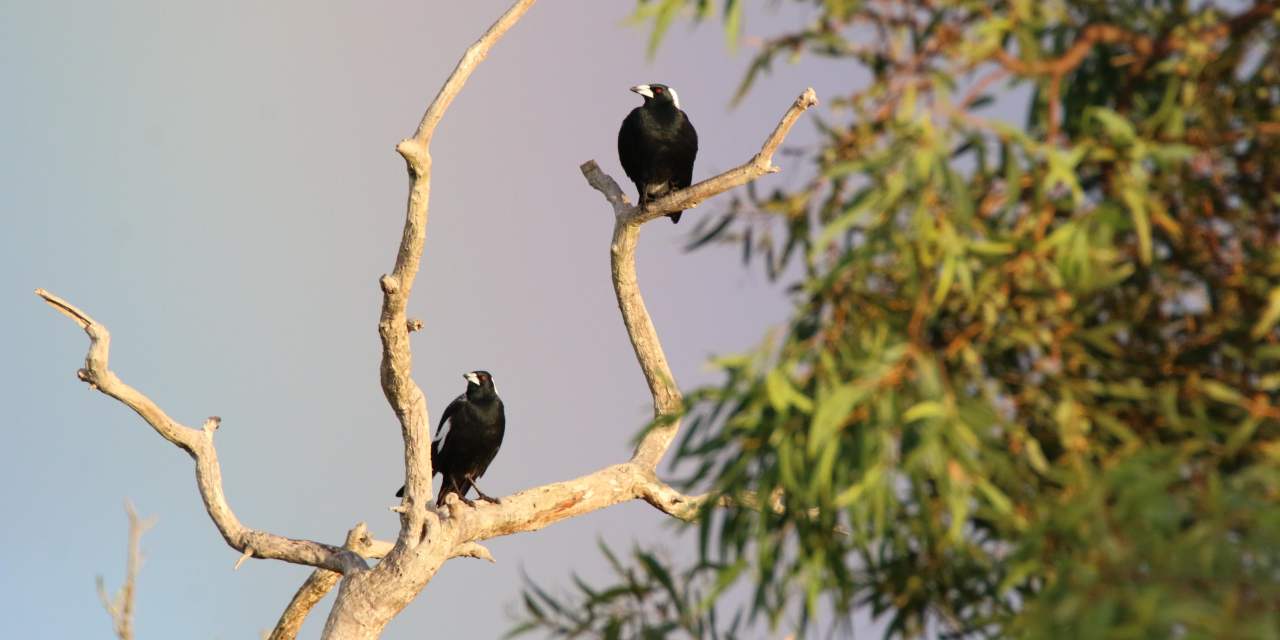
(463, 486)
(482, 495)
(451, 486)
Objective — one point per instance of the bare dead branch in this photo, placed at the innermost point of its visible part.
(120, 608)
(668, 404)
(198, 443)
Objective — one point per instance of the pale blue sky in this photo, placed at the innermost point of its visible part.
(216, 182)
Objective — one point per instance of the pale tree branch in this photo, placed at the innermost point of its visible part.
(120, 608)
(198, 443)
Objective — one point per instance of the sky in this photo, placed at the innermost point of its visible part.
(217, 184)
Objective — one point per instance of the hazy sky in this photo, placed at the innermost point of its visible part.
(217, 183)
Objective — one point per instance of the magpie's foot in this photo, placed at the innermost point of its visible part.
(490, 499)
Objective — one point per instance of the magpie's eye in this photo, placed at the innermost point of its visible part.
(657, 89)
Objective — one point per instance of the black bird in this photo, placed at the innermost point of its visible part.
(657, 144)
(467, 438)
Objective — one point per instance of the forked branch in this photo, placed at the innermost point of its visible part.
(198, 443)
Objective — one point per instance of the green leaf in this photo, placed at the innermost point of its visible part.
(1223, 393)
(665, 13)
(1035, 456)
(1269, 317)
(1241, 435)
(782, 395)
(655, 569)
(1117, 127)
(831, 413)
(854, 493)
(945, 279)
(990, 248)
(924, 410)
(1135, 200)
(732, 22)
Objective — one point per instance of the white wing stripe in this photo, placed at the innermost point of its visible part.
(443, 431)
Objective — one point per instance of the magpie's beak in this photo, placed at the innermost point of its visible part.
(472, 378)
(643, 89)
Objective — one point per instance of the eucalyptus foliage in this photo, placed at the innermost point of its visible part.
(1031, 385)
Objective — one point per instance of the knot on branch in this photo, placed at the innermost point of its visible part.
(212, 423)
(807, 99)
(764, 164)
(390, 284)
(415, 154)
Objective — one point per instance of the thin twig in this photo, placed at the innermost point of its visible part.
(120, 608)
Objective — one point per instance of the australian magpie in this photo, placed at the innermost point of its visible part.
(467, 438)
(657, 144)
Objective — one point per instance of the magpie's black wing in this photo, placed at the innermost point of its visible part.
(441, 431)
(631, 144)
(683, 153)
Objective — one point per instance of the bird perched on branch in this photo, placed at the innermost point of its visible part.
(657, 145)
(467, 438)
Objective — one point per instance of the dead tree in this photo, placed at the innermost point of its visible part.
(370, 596)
